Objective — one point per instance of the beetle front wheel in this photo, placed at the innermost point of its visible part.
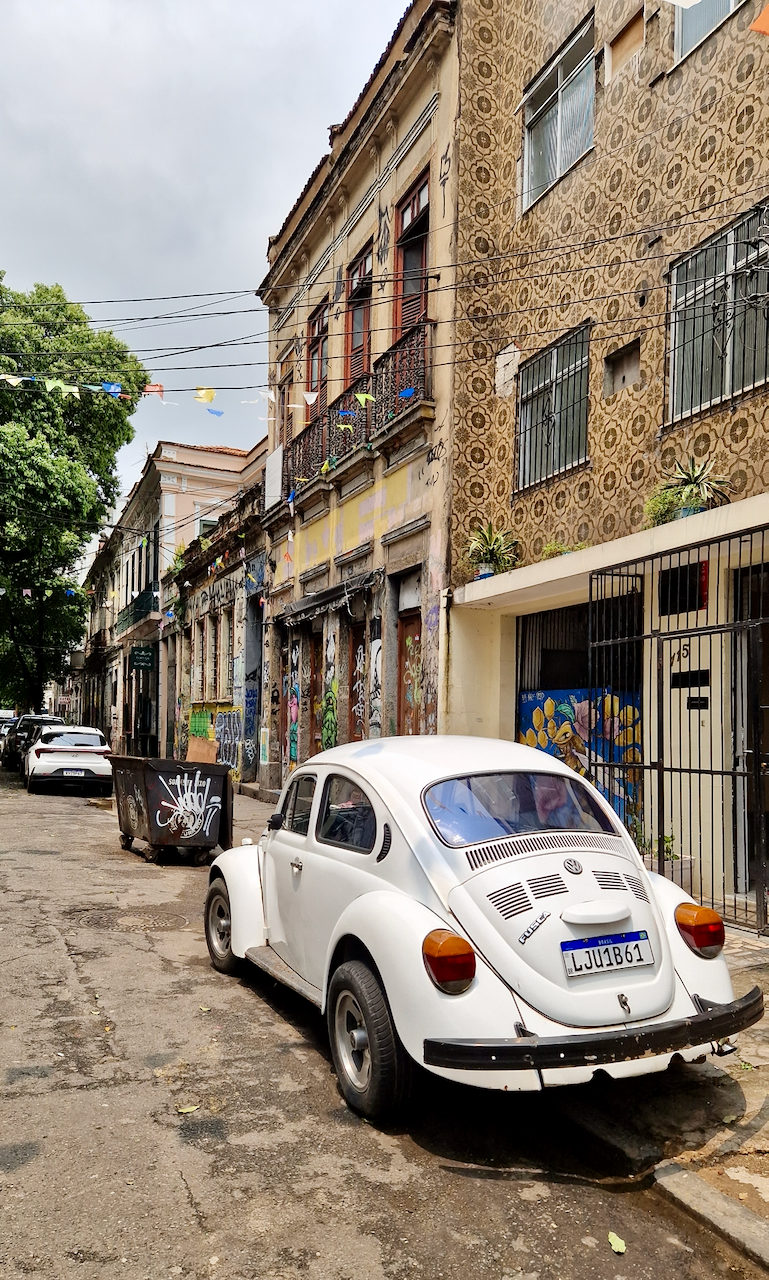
(372, 1067)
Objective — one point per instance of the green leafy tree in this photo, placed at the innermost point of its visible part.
(57, 475)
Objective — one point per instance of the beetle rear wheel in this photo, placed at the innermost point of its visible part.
(372, 1067)
(218, 925)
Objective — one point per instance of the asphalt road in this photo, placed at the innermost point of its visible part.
(158, 1119)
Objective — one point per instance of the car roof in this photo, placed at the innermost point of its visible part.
(410, 764)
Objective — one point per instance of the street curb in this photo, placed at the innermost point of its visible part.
(740, 1226)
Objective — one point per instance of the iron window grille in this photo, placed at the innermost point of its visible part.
(693, 25)
(559, 110)
(719, 318)
(552, 409)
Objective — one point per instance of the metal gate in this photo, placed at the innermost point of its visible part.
(679, 677)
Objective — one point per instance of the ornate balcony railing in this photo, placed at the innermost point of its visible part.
(401, 378)
(146, 602)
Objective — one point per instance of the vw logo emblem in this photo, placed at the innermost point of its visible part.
(573, 866)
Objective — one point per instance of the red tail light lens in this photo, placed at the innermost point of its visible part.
(701, 929)
(449, 960)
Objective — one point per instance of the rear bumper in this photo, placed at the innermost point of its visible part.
(59, 775)
(532, 1052)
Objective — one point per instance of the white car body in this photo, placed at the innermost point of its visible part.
(68, 754)
(299, 907)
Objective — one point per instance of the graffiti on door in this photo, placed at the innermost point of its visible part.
(330, 729)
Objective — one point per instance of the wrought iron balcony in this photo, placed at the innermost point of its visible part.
(147, 601)
(400, 379)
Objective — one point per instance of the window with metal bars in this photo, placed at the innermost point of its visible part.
(413, 232)
(212, 633)
(317, 360)
(719, 317)
(359, 315)
(692, 25)
(559, 110)
(225, 680)
(198, 664)
(552, 409)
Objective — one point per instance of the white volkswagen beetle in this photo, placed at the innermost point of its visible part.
(475, 907)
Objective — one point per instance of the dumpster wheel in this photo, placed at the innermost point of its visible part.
(152, 853)
(200, 857)
(126, 842)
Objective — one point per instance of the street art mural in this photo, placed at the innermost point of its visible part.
(375, 680)
(294, 699)
(228, 731)
(191, 808)
(358, 692)
(591, 731)
(330, 729)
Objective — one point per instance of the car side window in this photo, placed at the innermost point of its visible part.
(288, 806)
(299, 820)
(347, 816)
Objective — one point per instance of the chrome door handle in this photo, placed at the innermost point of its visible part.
(296, 866)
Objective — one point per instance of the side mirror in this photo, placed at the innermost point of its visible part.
(276, 822)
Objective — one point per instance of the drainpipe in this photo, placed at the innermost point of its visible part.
(444, 659)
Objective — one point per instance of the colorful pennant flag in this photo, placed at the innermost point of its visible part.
(69, 592)
(407, 394)
(154, 389)
(11, 378)
(218, 413)
(2, 591)
(27, 591)
(205, 395)
(363, 396)
(310, 396)
(346, 426)
(112, 389)
(761, 24)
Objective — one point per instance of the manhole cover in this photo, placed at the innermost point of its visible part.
(133, 921)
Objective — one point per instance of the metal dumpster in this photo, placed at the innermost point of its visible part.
(173, 804)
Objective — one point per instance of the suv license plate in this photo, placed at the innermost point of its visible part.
(74, 773)
(597, 955)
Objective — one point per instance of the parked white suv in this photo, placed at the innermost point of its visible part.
(67, 754)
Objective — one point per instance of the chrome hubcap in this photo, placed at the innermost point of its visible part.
(219, 924)
(352, 1041)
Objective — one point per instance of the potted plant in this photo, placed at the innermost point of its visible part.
(491, 551)
(556, 548)
(695, 488)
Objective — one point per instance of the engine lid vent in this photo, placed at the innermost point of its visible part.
(501, 850)
(510, 901)
(547, 886)
(611, 880)
(638, 887)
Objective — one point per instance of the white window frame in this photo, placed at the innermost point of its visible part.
(702, 289)
(556, 63)
(681, 53)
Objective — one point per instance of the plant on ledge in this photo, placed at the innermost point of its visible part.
(491, 551)
(555, 548)
(688, 489)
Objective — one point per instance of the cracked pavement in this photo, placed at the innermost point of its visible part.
(159, 1119)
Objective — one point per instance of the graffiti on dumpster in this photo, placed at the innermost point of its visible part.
(190, 808)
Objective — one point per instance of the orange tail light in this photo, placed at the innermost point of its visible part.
(449, 960)
(701, 929)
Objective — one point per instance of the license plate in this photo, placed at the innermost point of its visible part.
(603, 955)
(74, 773)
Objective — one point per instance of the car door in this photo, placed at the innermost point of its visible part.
(284, 854)
(340, 862)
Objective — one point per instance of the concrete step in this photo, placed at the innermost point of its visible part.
(270, 962)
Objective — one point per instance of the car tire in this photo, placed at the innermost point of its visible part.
(31, 786)
(217, 922)
(373, 1069)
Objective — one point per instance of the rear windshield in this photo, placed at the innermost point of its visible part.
(489, 805)
(74, 739)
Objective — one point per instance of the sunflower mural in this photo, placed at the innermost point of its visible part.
(590, 734)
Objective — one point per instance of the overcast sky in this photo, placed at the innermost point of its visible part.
(149, 147)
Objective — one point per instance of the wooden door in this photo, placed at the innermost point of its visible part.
(410, 673)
